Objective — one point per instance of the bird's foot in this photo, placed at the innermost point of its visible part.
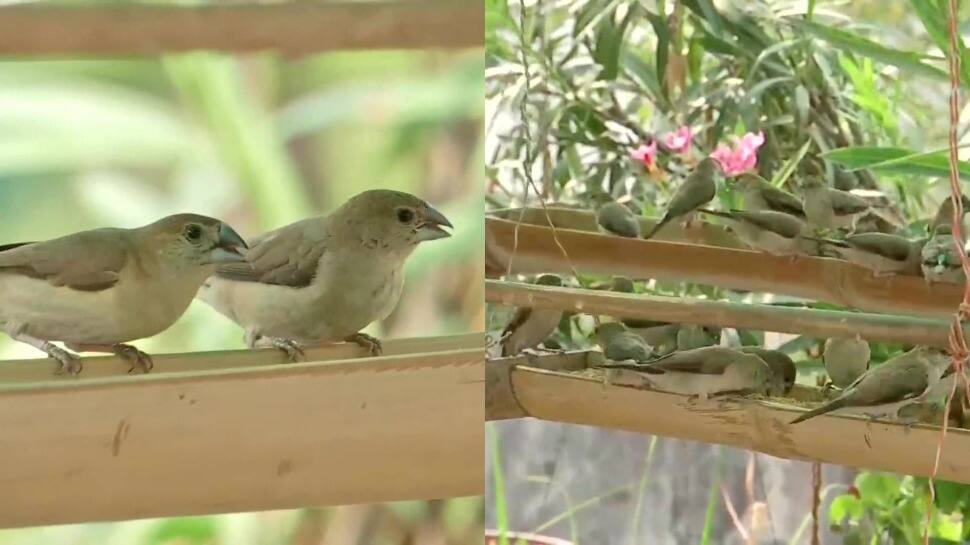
(294, 352)
(292, 349)
(135, 358)
(67, 362)
(372, 344)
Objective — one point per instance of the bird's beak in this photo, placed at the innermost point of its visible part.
(431, 227)
(230, 247)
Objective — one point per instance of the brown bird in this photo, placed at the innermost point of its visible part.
(323, 279)
(530, 326)
(96, 290)
(697, 190)
(759, 194)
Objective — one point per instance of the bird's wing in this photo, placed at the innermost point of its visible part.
(86, 261)
(845, 203)
(782, 201)
(288, 256)
(521, 315)
(889, 246)
(712, 360)
(694, 193)
(774, 223)
(889, 384)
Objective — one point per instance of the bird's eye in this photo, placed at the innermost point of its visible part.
(405, 215)
(193, 233)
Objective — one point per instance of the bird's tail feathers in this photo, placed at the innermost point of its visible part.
(663, 221)
(717, 213)
(639, 367)
(827, 408)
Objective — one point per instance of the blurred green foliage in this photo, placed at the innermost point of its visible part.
(258, 142)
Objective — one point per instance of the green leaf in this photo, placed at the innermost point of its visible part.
(896, 161)
(663, 44)
(876, 488)
(786, 170)
(863, 46)
(641, 72)
(591, 13)
(845, 506)
(934, 16)
(188, 530)
(609, 42)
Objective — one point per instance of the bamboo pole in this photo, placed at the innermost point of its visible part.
(821, 279)
(291, 28)
(806, 321)
(744, 423)
(244, 435)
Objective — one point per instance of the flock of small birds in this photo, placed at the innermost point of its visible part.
(692, 360)
(820, 222)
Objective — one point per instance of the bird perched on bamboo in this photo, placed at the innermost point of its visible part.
(940, 260)
(530, 326)
(620, 344)
(760, 194)
(704, 372)
(783, 372)
(881, 253)
(830, 208)
(846, 359)
(884, 389)
(697, 190)
(323, 279)
(690, 336)
(776, 233)
(96, 290)
(615, 218)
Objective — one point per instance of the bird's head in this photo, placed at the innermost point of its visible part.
(747, 180)
(392, 220)
(549, 280)
(191, 240)
(936, 357)
(783, 372)
(622, 284)
(707, 167)
(606, 331)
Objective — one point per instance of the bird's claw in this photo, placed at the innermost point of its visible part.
(66, 361)
(136, 358)
(294, 352)
(372, 344)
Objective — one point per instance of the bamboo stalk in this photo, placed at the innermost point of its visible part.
(821, 279)
(291, 28)
(243, 438)
(743, 423)
(806, 321)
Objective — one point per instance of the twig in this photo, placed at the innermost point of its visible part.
(527, 171)
(816, 500)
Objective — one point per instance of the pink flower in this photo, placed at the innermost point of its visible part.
(646, 154)
(679, 140)
(744, 156)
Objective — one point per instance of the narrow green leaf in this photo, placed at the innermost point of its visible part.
(788, 168)
(896, 161)
(663, 44)
(640, 71)
(863, 46)
(934, 16)
(609, 42)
